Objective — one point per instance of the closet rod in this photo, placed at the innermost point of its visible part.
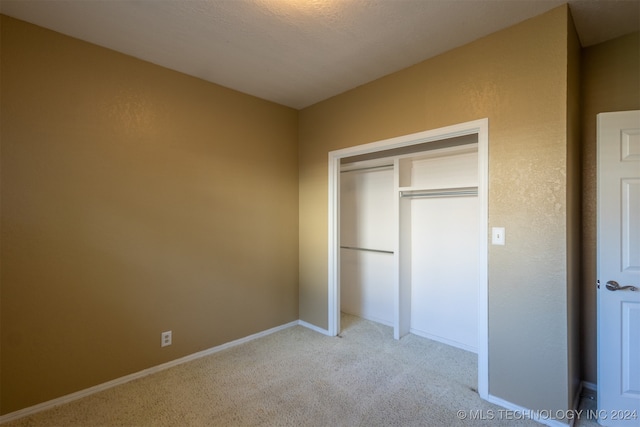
(366, 249)
(441, 192)
(367, 168)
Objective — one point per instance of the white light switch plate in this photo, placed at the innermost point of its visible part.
(497, 236)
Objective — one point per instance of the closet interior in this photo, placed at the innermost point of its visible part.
(409, 239)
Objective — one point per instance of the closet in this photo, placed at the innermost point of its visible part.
(367, 241)
(409, 230)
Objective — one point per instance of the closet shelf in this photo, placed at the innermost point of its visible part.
(438, 192)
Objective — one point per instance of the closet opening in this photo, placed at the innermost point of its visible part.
(408, 236)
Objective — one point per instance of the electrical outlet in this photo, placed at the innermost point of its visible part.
(165, 339)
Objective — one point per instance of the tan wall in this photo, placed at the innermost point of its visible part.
(574, 211)
(610, 82)
(134, 200)
(518, 79)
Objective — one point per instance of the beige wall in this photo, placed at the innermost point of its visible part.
(574, 211)
(610, 82)
(134, 200)
(518, 78)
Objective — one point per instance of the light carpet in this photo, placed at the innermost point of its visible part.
(298, 377)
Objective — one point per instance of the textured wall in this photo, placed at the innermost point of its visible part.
(574, 211)
(518, 79)
(610, 82)
(134, 200)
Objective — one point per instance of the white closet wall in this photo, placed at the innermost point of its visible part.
(444, 273)
(426, 204)
(367, 243)
(443, 229)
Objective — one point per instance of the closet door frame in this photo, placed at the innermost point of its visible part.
(479, 127)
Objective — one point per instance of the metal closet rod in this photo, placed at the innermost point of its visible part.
(366, 249)
(441, 192)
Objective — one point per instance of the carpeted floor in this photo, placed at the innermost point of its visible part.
(298, 377)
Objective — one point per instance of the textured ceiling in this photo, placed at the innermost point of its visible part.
(299, 52)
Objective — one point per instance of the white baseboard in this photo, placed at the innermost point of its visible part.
(443, 340)
(542, 416)
(314, 327)
(519, 412)
(367, 317)
(534, 415)
(122, 380)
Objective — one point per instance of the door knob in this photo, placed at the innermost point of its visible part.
(612, 285)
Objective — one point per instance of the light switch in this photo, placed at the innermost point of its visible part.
(497, 236)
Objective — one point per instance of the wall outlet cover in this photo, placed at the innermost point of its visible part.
(497, 236)
(165, 339)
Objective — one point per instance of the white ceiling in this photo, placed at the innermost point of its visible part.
(299, 52)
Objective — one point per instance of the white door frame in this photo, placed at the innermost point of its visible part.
(479, 127)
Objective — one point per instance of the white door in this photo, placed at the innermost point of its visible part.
(618, 268)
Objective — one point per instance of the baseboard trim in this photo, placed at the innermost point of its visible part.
(371, 318)
(531, 414)
(11, 416)
(534, 415)
(314, 327)
(446, 341)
